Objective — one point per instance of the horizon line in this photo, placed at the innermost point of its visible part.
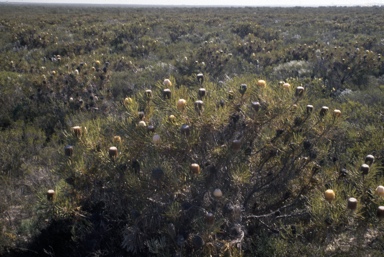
(186, 5)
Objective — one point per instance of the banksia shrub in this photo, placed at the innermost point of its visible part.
(218, 164)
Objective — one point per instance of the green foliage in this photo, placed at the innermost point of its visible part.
(261, 146)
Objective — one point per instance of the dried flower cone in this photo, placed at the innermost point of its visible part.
(195, 168)
(127, 101)
(236, 145)
(117, 139)
(299, 91)
(142, 123)
(286, 86)
(352, 203)
(309, 109)
(217, 193)
(256, 106)
(156, 139)
(185, 129)
(167, 83)
(172, 118)
(199, 106)
(202, 92)
(380, 212)
(181, 103)
(148, 94)
(380, 191)
(68, 150)
(323, 111)
(369, 159)
(230, 95)
(209, 218)
(140, 115)
(113, 153)
(200, 78)
(167, 93)
(261, 83)
(336, 113)
(364, 169)
(151, 128)
(243, 89)
(50, 194)
(77, 131)
(329, 195)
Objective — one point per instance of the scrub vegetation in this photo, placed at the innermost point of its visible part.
(129, 131)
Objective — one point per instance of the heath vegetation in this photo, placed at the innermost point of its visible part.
(131, 131)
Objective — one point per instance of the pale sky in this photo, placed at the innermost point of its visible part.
(219, 2)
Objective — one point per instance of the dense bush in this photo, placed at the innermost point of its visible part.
(237, 169)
